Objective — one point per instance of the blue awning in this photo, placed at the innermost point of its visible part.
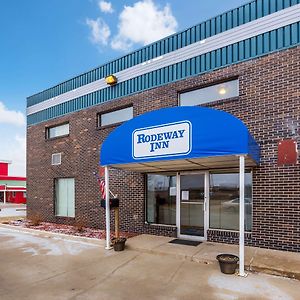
(190, 137)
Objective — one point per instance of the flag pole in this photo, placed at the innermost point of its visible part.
(98, 178)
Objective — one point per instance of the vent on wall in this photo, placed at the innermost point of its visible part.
(56, 159)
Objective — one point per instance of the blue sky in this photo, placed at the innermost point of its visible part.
(45, 42)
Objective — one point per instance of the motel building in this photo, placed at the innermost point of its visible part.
(187, 129)
(12, 188)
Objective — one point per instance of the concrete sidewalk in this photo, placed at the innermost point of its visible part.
(268, 261)
(40, 266)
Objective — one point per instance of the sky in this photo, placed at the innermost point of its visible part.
(45, 42)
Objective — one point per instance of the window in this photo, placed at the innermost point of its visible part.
(209, 94)
(65, 197)
(224, 201)
(56, 131)
(115, 117)
(161, 199)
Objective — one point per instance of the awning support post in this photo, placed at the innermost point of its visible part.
(242, 218)
(107, 210)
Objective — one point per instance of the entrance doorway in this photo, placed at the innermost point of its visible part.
(192, 199)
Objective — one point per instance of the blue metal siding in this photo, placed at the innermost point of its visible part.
(248, 49)
(233, 18)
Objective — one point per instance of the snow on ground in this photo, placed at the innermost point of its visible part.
(12, 212)
(35, 245)
(252, 285)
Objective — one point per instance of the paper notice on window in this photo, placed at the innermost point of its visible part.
(185, 195)
(172, 191)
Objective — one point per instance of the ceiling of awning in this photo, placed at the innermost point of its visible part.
(207, 163)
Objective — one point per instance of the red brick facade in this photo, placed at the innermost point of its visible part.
(269, 105)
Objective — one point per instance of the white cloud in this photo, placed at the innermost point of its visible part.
(105, 6)
(18, 155)
(143, 23)
(13, 139)
(11, 116)
(100, 31)
(13, 147)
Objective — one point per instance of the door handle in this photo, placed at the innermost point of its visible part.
(190, 202)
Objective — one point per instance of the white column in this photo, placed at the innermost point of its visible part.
(107, 210)
(242, 218)
(4, 196)
(178, 203)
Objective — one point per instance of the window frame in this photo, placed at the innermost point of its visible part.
(55, 198)
(207, 85)
(52, 155)
(146, 199)
(99, 114)
(47, 131)
(230, 171)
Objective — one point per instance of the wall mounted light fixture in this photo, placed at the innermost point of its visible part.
(111, 79)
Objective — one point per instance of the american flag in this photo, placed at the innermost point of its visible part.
(101, 183)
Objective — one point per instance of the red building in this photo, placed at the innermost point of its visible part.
(12, 188)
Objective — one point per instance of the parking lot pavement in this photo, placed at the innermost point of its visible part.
(48, 267)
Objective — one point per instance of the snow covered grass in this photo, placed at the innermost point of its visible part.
(68, 229)
(37, 245)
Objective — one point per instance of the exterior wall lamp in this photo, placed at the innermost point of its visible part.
(111, 79)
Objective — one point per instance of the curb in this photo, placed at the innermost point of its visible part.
(275, 272)
(50, 234)
(248, 267)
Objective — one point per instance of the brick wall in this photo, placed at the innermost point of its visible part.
(269, 105)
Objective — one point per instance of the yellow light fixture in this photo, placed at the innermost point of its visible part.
(111, 79)
(222, 91)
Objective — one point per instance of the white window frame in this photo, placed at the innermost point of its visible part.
(114, 114)
(52, 159)
(69, 192)
(206, 206)
(218, 85)
(48, 137)
(230, 171)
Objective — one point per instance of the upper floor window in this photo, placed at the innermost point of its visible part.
(209, 94)
(114, 117)
(56, 131)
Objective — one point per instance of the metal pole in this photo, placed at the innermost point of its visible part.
(117, 222)
(4, 196)
(242, 218)
(107, 209)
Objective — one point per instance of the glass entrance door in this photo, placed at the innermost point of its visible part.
(192, 219)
